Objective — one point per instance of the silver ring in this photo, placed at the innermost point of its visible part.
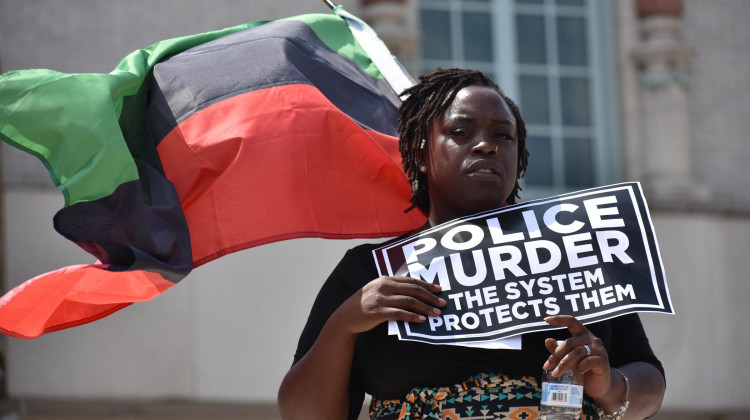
(588, 350)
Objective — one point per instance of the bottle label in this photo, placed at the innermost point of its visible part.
(562, 395)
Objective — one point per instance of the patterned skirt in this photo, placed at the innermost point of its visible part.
(482, 397)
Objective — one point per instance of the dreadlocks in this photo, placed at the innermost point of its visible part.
(426, 102)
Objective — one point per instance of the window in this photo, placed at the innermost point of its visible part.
(554, 58)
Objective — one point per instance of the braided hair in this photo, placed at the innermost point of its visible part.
(427, 101)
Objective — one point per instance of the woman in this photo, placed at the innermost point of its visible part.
(463, 148)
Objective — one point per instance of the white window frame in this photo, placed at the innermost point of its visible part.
(603, 131)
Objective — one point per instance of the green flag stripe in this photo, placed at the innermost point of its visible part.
(68, 122)
(334, 32)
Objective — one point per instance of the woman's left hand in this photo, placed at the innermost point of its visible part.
(584, 352)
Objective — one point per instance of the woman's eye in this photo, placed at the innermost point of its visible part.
(503, 136)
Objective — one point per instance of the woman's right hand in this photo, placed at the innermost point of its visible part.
(326, 367)
(389, 299)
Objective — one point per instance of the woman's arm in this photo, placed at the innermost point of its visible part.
(601, 382)
(319, 382)
(317, 386)
(645, 394)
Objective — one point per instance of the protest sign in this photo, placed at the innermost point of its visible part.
(591, 254)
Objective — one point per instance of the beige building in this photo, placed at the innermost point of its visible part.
(612, 90)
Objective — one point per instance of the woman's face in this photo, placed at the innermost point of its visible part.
(472, 156)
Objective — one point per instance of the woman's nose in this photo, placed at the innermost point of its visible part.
(484, 146)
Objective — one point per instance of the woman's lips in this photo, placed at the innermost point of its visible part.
(483, 174)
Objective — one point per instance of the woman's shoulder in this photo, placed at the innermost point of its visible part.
(366, 249)
(358, 266)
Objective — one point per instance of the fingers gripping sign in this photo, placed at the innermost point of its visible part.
(391, 299)
(583, 352)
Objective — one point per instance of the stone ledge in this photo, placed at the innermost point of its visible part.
(719, 208)
(50, 409)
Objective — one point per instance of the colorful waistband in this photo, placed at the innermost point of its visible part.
(485, 396)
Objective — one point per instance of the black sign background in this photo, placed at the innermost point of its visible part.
(591, 281)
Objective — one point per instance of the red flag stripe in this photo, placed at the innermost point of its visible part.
(72, 296)
(283, 163)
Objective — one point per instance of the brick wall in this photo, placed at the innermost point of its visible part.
(720, 97)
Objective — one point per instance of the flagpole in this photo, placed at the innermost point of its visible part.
(330, 4)
(393, 72)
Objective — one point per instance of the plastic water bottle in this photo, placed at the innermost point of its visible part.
(562, 397)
